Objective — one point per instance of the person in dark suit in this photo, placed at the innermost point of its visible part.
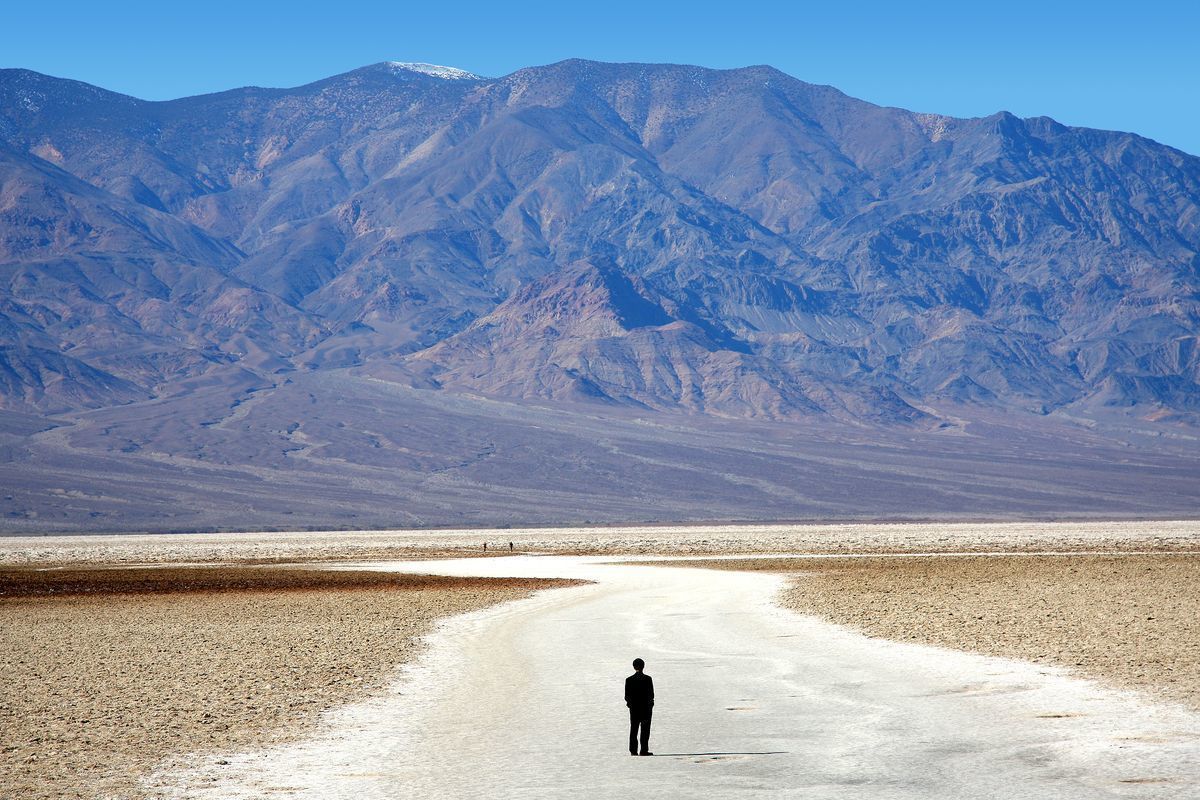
(639, 697)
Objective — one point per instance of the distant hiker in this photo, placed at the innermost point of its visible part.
(485, 547)
(639, 697)
(510, 547)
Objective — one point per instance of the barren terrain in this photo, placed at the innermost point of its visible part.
(667, 540)
(106, 672)
(109, 670)
(321, 451)
(751, 701)
(1129, 620)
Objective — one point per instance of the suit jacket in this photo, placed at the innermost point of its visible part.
(639, 691)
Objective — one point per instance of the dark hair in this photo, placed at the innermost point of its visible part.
(638, 663)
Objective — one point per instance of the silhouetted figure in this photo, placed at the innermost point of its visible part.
(510, 547)
(639, 697)
(485, 547)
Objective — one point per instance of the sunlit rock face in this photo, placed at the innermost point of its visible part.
(735, 243)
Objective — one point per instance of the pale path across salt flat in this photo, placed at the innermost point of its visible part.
(524, 700)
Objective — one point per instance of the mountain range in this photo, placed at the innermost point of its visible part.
(712, 247)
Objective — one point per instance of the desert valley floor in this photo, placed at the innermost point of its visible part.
(894, 661)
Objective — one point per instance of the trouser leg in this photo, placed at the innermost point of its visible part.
(633, 731)
(646, 733)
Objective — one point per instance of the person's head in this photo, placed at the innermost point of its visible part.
(638, 664)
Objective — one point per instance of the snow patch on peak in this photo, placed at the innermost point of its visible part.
(934, 125)
(437, 71)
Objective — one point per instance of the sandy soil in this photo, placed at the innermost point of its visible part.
(1131, 621)
(100, 686)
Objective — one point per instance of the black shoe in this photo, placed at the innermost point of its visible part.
(632, 752)
(647, 754)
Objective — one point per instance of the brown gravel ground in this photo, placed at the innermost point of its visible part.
(1128, 620)
(106, 672)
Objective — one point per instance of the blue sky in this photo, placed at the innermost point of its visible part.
(1125, 66)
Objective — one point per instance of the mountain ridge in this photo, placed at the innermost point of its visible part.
(809, 243)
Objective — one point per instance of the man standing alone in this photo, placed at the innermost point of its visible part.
(639, 697)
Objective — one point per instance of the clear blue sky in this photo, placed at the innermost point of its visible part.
(1132, 65)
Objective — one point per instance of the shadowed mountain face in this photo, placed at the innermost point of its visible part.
(734, 242)
(581, 238)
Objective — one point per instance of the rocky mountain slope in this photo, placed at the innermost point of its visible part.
(736, 243)
(409, 295)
